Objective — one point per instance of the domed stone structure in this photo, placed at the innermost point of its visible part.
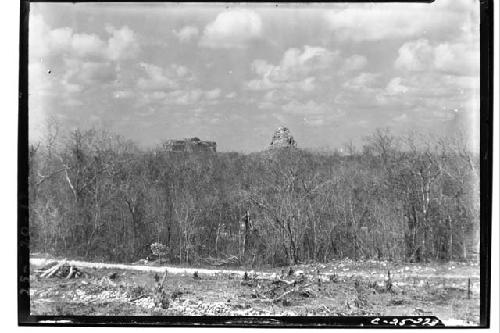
(282, 139)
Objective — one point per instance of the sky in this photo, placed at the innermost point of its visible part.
(331, 73)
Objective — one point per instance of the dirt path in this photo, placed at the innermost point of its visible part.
(37, 262)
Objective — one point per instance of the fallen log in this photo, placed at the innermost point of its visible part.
(137, 298)
(62, 270)
(51, 271)
(281, 281)
(71, 272)
(276, 300)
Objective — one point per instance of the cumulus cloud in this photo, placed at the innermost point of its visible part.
(87, 45)
(426, 92)
(181, 71)
(313, 113)
(185, 97)
(364, 81)
(186, 34)
(38, 30)
(156, 78)
(171, 85)
(401, 118)
(395, 87)
(232, 29)
(314, 121)
(122, 94)
(456, 58)
(95, 73)
(354, 63)
(57, 39)
(415, 55)
(213, 94)
(73, 63)
(305, 85)
(375, 22)
(309, 108)
(296, 69)
(297, 63)
(122, 44)
(45, 41)
(429, 85)
(40, 83)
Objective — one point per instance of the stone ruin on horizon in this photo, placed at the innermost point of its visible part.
(190, 145)
(282, 139)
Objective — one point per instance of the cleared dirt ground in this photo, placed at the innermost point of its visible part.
(341, 288)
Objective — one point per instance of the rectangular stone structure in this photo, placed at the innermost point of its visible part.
(190, 145)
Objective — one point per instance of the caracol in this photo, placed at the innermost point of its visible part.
(282, 139)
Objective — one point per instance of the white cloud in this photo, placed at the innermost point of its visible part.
(181, 71)
(460, 58)
(314, 121)
(174, 76)
(96, 73)
(87, 45)
(71, 62)
(156, 79)
(261, 84)
(192, 96)
(122, 44)
(296, 63)
(38, 30)
(401, 118)
(375, 22)
(432, 85)
(232, 29)
(428, 93)
(308, 84)
(59, 39)
(74, 76)
(364, 81)
(309, 108)
(312, 113)
(40, 82)
(72, 101)
(394, 91)
(415, 55)
(45, 41)
(184, 97)
(394, 87)
(122, 94)
(186, 34)
(72, 87)
(213, 94)
(457, 58)
(354, 63)
(267, 105)
(445, 114)
(296, 70)
(172, 85)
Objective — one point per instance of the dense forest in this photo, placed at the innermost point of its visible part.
(97, 196)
